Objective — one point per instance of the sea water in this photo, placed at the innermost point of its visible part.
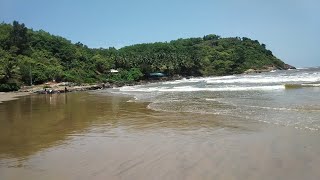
(263, 97)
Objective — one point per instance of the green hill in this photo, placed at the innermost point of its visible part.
(28, 56)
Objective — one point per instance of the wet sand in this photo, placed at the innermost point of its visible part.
(88, 136)
(8, 96)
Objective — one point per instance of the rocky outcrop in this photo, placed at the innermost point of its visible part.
(64, 87)
(261, 70)
(287, 66)
(268, 69)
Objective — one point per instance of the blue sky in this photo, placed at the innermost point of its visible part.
(290, 28)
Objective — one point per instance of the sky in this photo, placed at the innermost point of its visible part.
(289, 28)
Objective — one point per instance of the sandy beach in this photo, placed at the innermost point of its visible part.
(8, 96)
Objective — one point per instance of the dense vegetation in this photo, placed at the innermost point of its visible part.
(34, 57)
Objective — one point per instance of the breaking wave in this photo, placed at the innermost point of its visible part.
(193, 89)
(263, 97)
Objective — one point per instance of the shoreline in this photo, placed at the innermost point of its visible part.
(9, 96)
(66, 87)
(60, 88)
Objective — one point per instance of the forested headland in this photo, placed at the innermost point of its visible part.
(35, 57)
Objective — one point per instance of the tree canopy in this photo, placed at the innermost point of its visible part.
(28, 56)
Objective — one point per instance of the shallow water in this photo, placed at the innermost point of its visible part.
(252, 134)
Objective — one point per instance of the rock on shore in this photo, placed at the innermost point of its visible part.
(268, 69)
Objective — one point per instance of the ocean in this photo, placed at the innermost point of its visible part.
(284, 97)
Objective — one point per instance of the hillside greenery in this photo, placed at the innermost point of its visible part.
(34, 57)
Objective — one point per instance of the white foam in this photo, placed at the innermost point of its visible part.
(313, 85)
(184, 81)
(255, 78)
(201, 79)
(140, 89)
(267, 79)
(283, 108)
(193, 89)
(271, 81)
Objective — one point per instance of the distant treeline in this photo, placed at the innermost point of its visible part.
(28, 56)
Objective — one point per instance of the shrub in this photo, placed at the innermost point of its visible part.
(9, 87)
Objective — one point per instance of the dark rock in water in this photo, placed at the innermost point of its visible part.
(47, 91)
(94, 87)
(269, 68)
(107, 85)
(287, 66)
